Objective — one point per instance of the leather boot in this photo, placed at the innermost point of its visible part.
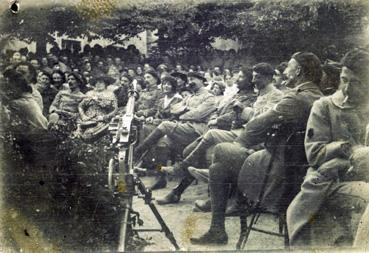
(175, 195)
(211, 237)
(149, 141)
(160, 183)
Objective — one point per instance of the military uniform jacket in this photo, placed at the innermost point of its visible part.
(291, 113)
(147, 102)
(293, 109)
(226, 114)
(330, 124)
(198, 107)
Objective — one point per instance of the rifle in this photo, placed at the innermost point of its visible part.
(122, 178)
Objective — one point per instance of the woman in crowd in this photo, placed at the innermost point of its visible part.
(162, 152)
(64, 108)
(58, 80)
(47, 90)
(96, 110)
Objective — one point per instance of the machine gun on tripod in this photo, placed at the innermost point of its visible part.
(122, 179)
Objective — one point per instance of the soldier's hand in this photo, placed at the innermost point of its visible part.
(212, 122)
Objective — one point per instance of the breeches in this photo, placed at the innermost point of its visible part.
(182, 134)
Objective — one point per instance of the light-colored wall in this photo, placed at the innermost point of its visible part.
(140, 41)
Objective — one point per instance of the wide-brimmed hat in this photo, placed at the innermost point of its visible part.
(197, 75)
(181, 75)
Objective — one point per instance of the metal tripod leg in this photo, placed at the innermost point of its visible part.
(148, 201)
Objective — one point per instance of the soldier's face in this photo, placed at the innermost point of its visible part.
(353, 87)
(293, 70)
(260, 81)
(194, 83)
(150, 79)
(124, 81)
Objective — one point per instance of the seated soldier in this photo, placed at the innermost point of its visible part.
(194, 113)
(149, 97)
(331, 195)
(268, 97)
(305, 70)
(162, 151)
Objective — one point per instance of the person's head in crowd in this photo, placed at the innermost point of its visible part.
(185, 92)
(87, 76)
(96, 58)
(101, 82)
(35, 63)
(355, 76)
(125, 80)
(118, 61)
(199, 68)
(179, 67)
(192, 68)
(207, 74)
(45, 81)
(100, 64)
(217, 71)
(64, 59)
(15, 84)
(44, 62)
(109, 61)
(303, 67)
(162, 68)
(147, 67)
(181, 79)
(330, 81)
(124, 71)
(217, 88)
(87, 66)
(139, 71)
(151, 78)
(278, 76)
(28, 71)
(262, 75)
(227, 73)
(195, 81)
(57, 78)
(76, 82)
(16, 58)
(244, 79)
(131, 72)
(55, 65)
(23, 58)
(169, 85)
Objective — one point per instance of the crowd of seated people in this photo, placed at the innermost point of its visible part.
(199, 121)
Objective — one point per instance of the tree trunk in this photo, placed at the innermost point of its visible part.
(41, 46)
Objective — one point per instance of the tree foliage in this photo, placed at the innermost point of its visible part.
(265, 28)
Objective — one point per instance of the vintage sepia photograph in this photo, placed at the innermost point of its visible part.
(184, 125)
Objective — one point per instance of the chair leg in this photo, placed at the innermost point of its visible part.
(253, 220)
(286, 237)
(243, 223)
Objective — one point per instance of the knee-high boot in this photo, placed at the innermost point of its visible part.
(149, 141)
(162, 155)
